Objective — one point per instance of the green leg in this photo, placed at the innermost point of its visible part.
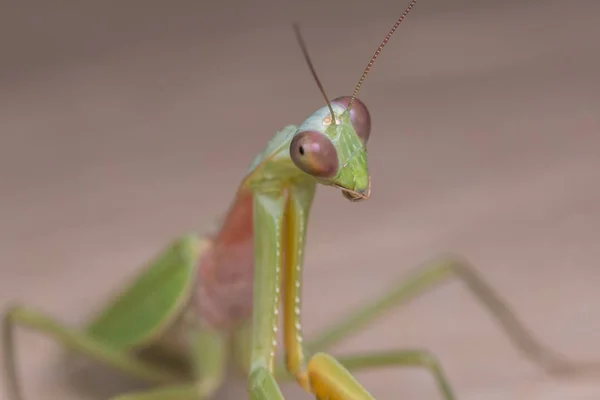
(262, 384)
(423, 279)
(437, 272)
(73, 340)
(400, 358)
(181, 392)
(209, 355)
(393, 358)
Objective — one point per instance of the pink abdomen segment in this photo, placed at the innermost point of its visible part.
(224, 296)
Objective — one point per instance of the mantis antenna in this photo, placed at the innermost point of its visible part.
(383, 43)
(312, 69)
(365, 72)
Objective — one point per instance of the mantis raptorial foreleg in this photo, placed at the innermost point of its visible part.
(323, 375)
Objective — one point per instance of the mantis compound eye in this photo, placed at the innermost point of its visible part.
(314, 154)
(359, 116)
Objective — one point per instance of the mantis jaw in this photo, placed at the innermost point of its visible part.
(356, 195)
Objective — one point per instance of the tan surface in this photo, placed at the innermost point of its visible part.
(122, 129)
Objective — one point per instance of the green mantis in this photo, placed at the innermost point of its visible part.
(206, 298)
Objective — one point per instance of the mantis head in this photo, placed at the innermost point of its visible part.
(331, 144)
(334, 151)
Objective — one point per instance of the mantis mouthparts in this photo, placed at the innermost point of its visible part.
(356, 195)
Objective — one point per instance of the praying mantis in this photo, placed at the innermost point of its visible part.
(206, 298)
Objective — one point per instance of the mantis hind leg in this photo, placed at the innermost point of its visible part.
(71, 339)
(332, 376)
(437, 272)
(208, 351)
(393, 358)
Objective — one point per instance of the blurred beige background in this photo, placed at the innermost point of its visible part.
(124, 125)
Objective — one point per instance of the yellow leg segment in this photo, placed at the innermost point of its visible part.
(329, 380)
(321, 374)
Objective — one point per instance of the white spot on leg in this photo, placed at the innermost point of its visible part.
(298, 279)
(276, 297)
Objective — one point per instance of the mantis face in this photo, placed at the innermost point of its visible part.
(335, 154)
